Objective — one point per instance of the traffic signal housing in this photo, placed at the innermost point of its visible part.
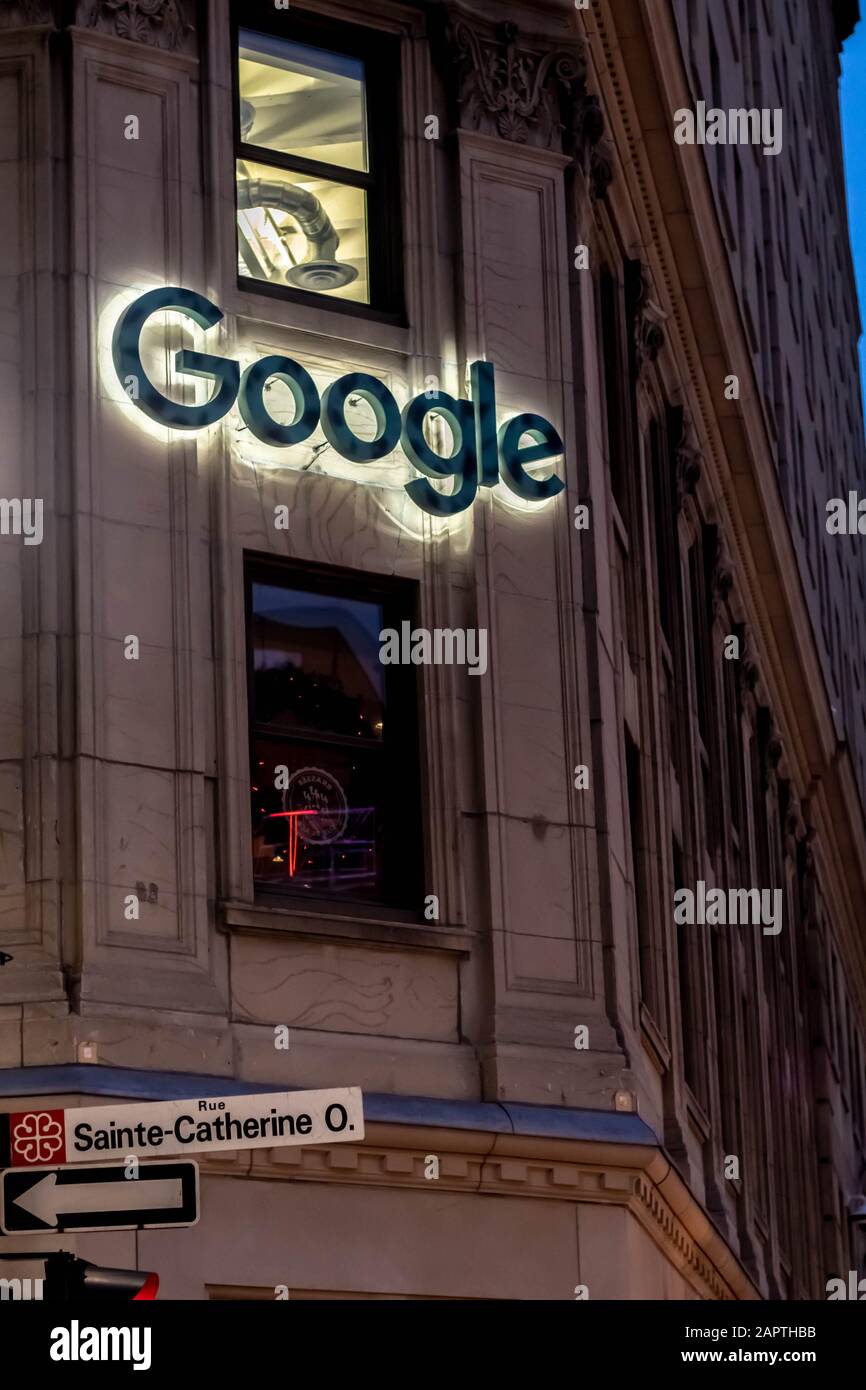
(68, 1280)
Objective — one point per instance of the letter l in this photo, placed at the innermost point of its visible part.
(481, 376)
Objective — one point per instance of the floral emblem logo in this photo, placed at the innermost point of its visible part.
(37, 1137)
(319, 796)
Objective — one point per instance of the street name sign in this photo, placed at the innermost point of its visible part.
(101, 1198)
(40, 1138)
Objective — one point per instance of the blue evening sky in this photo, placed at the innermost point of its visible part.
(854, 139)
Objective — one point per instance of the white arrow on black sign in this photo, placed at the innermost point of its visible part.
(99, 1198)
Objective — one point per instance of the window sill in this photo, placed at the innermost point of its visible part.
(261, 303)
(653, 1041)
(619, 525)
(301, 921)
(698, 1118)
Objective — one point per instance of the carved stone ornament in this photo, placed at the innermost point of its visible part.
(810, 867)
(772, 753)
(588, 147)
(794, 824)
(722, 577)
(522, 93)
(647, 319)
(161, 23)
(14, 12)
(687, 465)
(747, 668)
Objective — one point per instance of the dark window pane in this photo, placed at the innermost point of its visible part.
(335, 782)
(316, 663)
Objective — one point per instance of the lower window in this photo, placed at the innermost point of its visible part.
(335, 781)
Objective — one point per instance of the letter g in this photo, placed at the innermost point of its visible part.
(127, 360)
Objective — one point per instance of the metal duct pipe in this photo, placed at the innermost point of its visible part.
(319, 269)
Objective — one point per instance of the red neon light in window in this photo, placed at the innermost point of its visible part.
(292, 818)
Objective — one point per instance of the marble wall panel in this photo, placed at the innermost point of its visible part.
(346, 989)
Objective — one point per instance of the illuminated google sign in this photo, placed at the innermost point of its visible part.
(481, 454)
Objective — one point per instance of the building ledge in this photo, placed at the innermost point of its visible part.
(492, 1147)
(489, 1117)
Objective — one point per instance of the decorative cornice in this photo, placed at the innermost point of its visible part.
(656, 1210)
(526, 93)
(569, 1172)
(586, 1156)
(160, 23)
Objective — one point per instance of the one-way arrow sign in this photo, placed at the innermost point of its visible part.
(103, 1198)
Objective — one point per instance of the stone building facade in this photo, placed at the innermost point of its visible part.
(477, 924)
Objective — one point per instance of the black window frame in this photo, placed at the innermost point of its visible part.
(405, 848)
(381, 56)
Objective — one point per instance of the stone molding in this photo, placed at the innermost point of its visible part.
(722, 579)
(635, 1177)
(512, 90)
(529, 92)
(157, 23)
(26, 12)
(688, 463)
(646, 317)
(160, 23)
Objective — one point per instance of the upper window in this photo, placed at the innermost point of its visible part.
(334, 738)
(317, 204)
